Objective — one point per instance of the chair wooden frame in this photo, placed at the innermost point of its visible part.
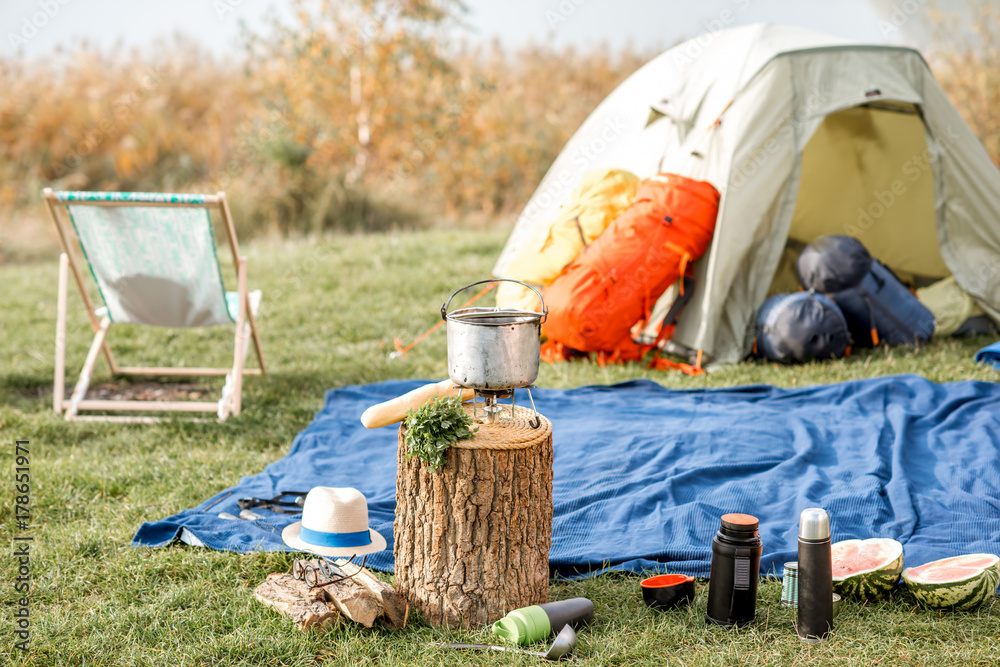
(246, 327)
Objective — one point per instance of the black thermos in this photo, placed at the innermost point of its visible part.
(815, 618)
(732, 583)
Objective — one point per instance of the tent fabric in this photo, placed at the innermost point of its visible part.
(879, 157)
(990, 355)
(772, 89)
(643, 473)
(152, 265)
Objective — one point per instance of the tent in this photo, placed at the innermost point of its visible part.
(803, 134)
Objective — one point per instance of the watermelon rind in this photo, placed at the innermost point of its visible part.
(869, 583)
(964, 594)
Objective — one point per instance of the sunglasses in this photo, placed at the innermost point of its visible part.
(314, 572)
(286, 502)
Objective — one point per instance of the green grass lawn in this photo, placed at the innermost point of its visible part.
(331, 311)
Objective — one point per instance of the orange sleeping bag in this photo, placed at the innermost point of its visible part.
(614, 283)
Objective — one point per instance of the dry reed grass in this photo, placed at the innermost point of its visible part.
(324, 125)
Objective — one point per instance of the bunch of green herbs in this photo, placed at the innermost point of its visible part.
(434, 427)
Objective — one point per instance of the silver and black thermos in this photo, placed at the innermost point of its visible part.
(815, 613)
(732, 582)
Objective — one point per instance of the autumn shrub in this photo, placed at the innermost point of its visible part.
(353, 115)
(90, 120)
(965, 57)
(381, 100)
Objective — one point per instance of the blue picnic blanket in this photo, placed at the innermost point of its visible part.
(990, 355)
(643, 473)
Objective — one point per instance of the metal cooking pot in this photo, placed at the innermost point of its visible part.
(492, 349)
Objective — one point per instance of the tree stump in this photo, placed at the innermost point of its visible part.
(472, 541)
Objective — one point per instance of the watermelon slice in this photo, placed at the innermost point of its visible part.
(961, 583)
(866, 569)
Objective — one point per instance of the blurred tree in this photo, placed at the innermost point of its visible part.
(356, 115)
(361, 81)
(965, 53)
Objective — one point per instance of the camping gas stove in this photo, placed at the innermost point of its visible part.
(494, 351)
(493, 410)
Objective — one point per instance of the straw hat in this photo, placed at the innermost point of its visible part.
(334, 523)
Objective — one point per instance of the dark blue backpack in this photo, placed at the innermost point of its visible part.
(800, 327)
(877, 306)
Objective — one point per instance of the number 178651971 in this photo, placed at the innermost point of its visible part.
(22, 482)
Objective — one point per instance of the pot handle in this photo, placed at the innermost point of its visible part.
(544, 313)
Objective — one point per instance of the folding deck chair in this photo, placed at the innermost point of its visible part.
(154, 260)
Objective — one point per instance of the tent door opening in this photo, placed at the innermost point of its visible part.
(867, 173)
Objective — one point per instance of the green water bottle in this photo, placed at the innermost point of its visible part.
(538, 622)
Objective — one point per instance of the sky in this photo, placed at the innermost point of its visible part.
(37, 28)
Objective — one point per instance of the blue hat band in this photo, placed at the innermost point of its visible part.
(319, 539)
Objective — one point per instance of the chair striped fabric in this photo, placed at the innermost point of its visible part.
(153, 259)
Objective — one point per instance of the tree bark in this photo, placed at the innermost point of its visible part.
(472, 541)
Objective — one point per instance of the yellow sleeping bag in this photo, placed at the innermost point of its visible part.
(596, 202)
(950, 304)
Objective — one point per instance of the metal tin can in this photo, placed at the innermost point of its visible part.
(790, 585)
